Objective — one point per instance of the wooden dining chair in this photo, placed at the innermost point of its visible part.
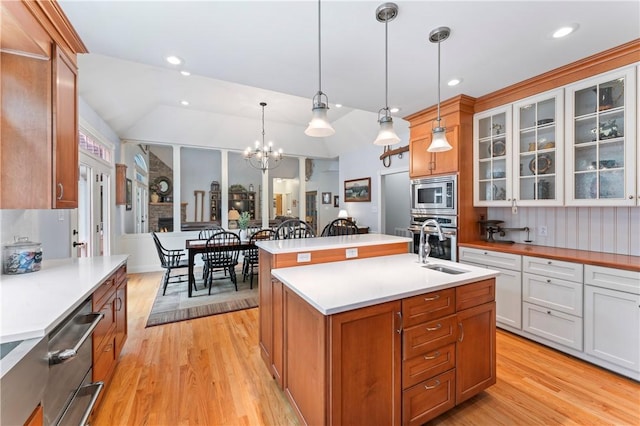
(250, 260)
(170, 260)
(340, 226)
(294, 228)
(222, 251)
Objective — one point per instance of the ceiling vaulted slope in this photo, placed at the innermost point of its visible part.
(241, 53)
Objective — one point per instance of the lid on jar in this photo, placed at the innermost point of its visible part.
(21, 242)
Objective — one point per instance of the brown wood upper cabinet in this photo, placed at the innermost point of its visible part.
(457, 117)
(39, 129)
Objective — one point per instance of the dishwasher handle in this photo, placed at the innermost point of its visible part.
(65, 355)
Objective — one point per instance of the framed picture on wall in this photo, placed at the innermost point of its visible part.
(128, 194)
(336, 201)
(326, 198)
(357, 190)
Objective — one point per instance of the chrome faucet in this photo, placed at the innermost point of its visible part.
(424, 248)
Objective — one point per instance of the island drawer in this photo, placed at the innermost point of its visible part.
(426, 307)
(475, 294)
(105, 290)
(425, 366)
(420, 339)
(107, 325)
(429, 399)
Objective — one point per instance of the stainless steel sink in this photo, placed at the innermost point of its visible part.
(444, 269)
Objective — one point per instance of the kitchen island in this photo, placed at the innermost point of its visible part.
(306, 251)
(385, 338)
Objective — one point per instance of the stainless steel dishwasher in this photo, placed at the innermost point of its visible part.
(69, 395)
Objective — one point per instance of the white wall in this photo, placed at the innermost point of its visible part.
(602, 229)
(365, 162)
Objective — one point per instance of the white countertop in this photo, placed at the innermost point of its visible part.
(33, 304)
(326, 243)
(342, 286)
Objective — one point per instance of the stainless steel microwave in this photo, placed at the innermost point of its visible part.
(435, 195)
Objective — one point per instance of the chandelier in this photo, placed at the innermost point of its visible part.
(263, 157)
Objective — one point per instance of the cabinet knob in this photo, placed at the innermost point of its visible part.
(631, 197)
(548, 281)
(549, 262)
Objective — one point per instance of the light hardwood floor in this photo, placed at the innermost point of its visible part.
(208, 371)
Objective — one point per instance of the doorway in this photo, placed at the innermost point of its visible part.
(92, 230)
(396, 196)
(311, 214)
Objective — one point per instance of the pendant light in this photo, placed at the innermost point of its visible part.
(259, 157)
(319, 125)
(386, 136)
(439, 141)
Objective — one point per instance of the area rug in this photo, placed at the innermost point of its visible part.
(176, 306)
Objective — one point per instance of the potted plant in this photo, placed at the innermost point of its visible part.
(243, 224)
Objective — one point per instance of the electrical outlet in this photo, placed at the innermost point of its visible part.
(542, 231)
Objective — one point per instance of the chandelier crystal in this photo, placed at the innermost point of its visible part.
(263, 156)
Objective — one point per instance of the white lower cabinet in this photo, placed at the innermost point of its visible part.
(612, 317)
(590, 312)
(552, 300)
(508, 283)
(553, 325)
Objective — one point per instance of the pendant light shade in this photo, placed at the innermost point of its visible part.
(319, 125)
(386, 136)
(439, 142)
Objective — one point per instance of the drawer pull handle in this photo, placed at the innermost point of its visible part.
(399, 329)
(430, 299)
(437, 327)
(548, 262)
(68, 354)
(432, 387)
(548, 281)
(61, 191)
(549, 312)
(434, 356)
(461, 338)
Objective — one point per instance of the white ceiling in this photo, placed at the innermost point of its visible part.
(243, 52)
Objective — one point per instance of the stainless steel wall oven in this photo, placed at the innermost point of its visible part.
(446, 249)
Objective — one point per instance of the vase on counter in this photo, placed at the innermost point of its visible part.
(155, 197)
(243, 235)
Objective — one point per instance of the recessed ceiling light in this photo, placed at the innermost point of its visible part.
(394, 109)
(338, 105)
(454, 82)
(185, 103)
(185, 73)
(564, 31)
(173, 60)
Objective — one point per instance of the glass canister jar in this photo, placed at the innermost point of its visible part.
(21, 256)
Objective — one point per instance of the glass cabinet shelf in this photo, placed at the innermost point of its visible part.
(538, 148)
(599, 146)
(492, 154)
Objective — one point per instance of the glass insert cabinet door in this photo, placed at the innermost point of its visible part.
(601, 113)
(538, 150)
(492, 157)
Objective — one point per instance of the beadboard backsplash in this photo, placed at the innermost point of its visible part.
(603, 229)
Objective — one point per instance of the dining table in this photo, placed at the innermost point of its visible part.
(199, 246)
